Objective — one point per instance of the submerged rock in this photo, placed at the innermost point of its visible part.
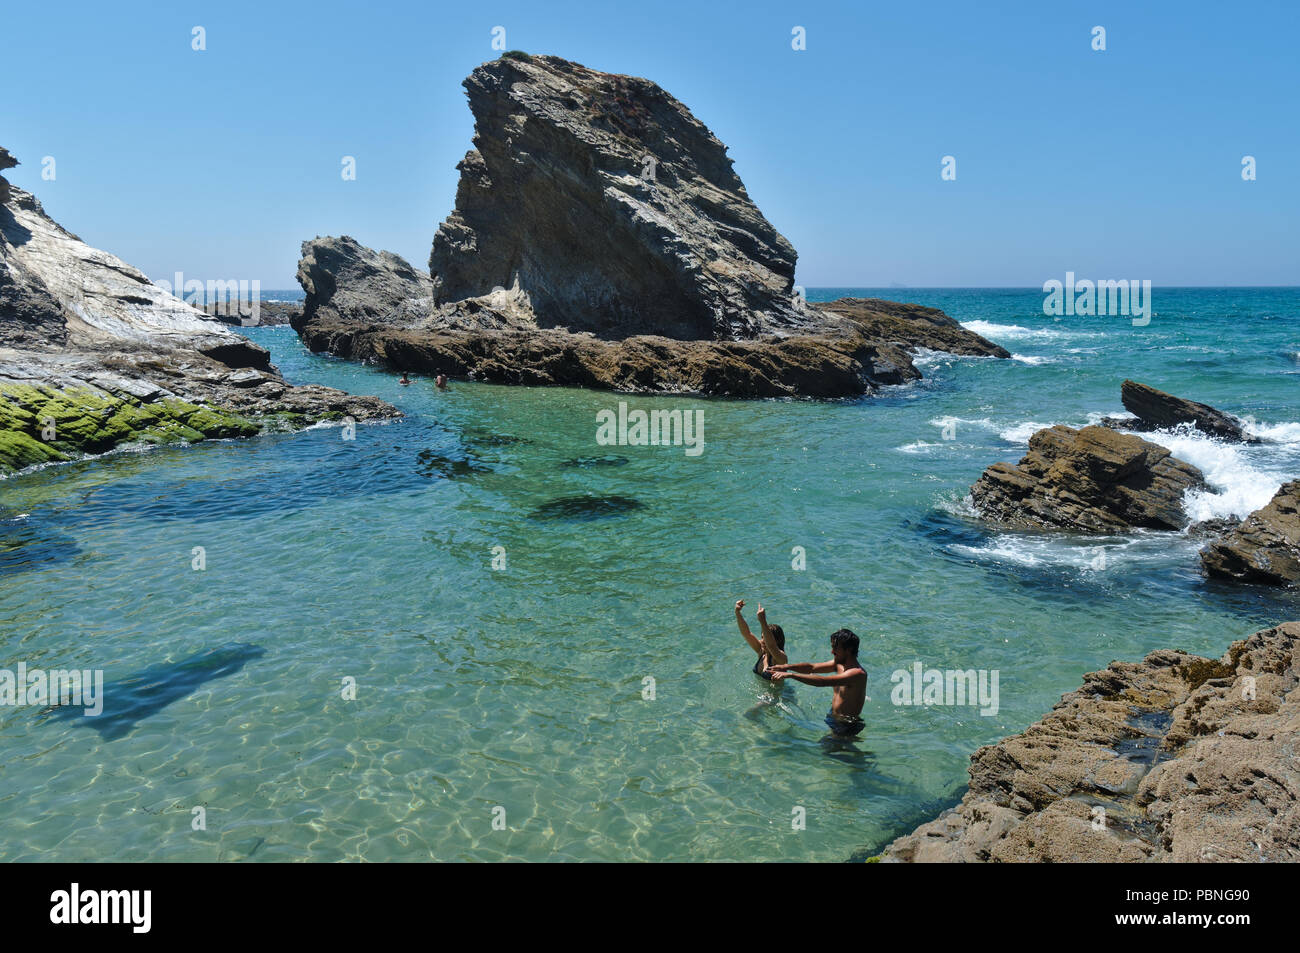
(1156, 410)
(588, 463)
(145, 693)
(432, 464)
(601, 239)
(1093, 480)
(583, 508)
(1177, 758)
(93, 355)
(1264, 547)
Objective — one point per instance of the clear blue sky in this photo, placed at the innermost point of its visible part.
(1117, 164)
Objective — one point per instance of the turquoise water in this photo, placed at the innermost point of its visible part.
(524, 688)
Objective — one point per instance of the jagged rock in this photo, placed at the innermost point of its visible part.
(93, 355)
(7, 161)
(1265, 547)
(612, 207)
(1212, 528)
(1155, 410)
(344, 280)
(563, 264)
(1093, 480)
(1177, 759)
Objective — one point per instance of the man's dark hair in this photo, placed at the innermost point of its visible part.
(778, 633)
(846, 640)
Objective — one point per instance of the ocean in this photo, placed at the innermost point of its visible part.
(477, 633)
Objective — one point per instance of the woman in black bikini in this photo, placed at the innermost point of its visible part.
(770, 648)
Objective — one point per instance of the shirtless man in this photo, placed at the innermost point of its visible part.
(770, 648)
(844, 673)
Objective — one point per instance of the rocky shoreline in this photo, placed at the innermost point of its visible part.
(601, 239)
(93, 356)
(369, 310)
(1177, 758)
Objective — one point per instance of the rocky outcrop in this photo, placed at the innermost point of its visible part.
(243, 313)
(495, 338)
(7, 161)
(911, 326)
(93, 355)
(1156, 410)
(612, 207)
(1265, 547)
(1091, 480)
(1177, 758)
(346, 282)
(601, 239)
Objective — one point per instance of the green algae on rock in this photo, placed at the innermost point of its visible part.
(94, 356)
(43, 424)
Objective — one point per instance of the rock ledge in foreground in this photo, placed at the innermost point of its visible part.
(1177, 758)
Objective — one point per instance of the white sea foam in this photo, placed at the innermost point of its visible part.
(924, 358)
(1243, 477)
(919, 447)
(1002, 549)
(1280, 433)
(981, 422)
(1020, 433)
(1094, 557)
(1017, 332)
(962, 506)
(1032, 359)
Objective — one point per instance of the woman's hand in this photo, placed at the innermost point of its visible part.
(740, 604)
(762, 613)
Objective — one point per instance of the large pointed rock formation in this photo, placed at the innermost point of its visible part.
(601, 238)
(612, 207)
